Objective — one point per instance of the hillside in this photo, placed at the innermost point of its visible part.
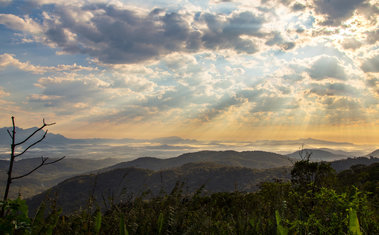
(374, 154)
(46, 176)
(344, 164)
(249, 159)
(320, 155)
(123, 183)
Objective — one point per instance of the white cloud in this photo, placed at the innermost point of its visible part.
(3, 93)
(10, 60)
(371, 64)
(327, 67)
(25, 24)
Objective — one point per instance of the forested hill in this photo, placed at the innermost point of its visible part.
(249, 159)
(122, 183)
(344, 164)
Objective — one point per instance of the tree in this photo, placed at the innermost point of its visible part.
(14, 155)
(306, 174)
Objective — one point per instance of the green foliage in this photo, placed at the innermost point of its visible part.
(98, 222)
(123, 230)
(16, 217)
(354, 223)
(281, 230)
(317, 207)
(160, 223)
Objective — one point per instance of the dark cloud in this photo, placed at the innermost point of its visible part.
(297, 7)
(336, 11)
(327, 67)
(373, 36)
(222, 106)
(373, 82)
(251, 95)
(341, 104)
(332, 89)
(274, 104)
(226, 34)
(337, 110)
(371, 64)
(277, 39)
(115, 35)
(351, 43)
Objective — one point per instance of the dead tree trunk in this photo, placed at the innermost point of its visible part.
(13, 156)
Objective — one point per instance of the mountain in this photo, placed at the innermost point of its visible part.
(125, 183)
(249, 159)
(374, 154)
(340, 165)
(21, 134)
(343, 153)
(117, 183)
(46, 176)
(319, 155)
(50, 175)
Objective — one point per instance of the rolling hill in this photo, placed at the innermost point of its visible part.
(124, 183)
(249, 159)
(320, 155)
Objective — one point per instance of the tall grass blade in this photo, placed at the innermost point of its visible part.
(160, 223)
(98, 222)
(354, 223)
(123, 230)
(280, 230)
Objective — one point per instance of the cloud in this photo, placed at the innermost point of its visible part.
(174, 140)
(351, 43)
(5, 2)
(19, 24)
(274, 104)
(298, 7)
(277, 39)
(7, 60)
(336, 11)
(222, 106)
(63, 91)
(133, 81)
(373, 36)
(332, 89)
(373, 83)
(339, 110)
(371, 65)
(327, 67)
(117, 35)
(226, 34)
(3, 93)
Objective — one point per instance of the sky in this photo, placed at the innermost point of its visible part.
(217, 70)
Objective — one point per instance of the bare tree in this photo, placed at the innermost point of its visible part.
(14, 155)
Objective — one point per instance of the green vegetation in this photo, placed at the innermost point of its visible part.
(315, 201)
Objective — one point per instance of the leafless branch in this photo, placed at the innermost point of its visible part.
(43, 137)
(30, 136)
(43, 163)
(13, 156)
(10, 134)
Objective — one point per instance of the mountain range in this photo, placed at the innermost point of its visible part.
(122, 184)
(112, 169)
(249, 159)
(56, 145)
(217, 171)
